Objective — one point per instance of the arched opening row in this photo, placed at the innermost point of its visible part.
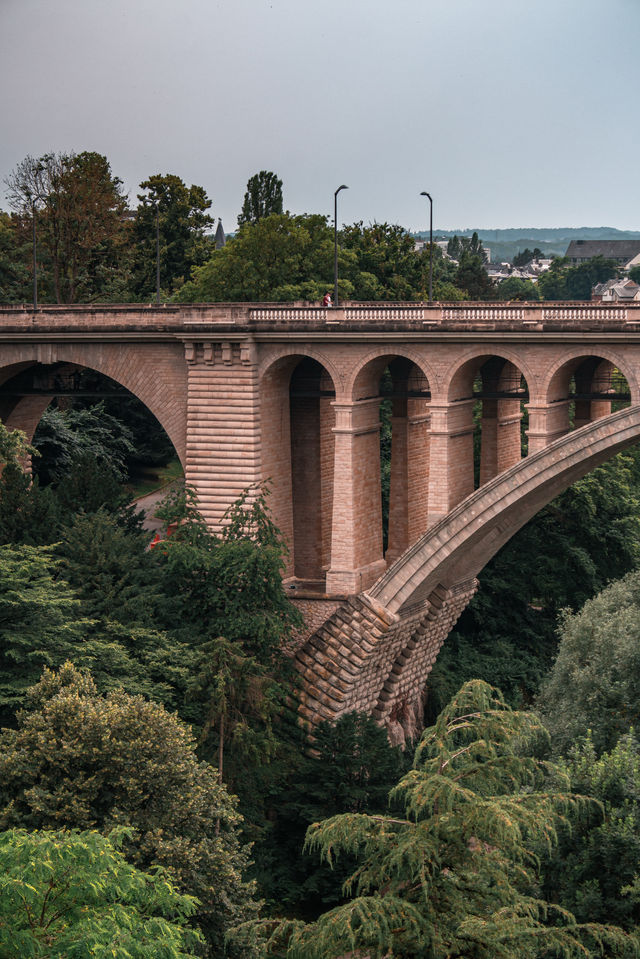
(356, 482)
(357, 478)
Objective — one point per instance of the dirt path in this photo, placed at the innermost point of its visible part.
(148, 505)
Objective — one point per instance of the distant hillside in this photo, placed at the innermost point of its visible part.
(553, 241)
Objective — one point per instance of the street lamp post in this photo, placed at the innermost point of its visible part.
(335, 243)
(157, 252)
(428, 195)
(35, 258)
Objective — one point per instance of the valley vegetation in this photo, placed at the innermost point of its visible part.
(157, 795)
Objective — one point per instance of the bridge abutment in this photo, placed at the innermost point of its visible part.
(223, 424)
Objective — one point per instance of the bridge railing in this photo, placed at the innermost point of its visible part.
(413, 316)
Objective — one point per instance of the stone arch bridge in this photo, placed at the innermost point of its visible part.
(294, 394)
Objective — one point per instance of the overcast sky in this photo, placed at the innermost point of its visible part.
(509, 112)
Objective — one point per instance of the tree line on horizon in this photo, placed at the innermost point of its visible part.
(92, 248)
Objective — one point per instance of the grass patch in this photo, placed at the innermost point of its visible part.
(151, 479)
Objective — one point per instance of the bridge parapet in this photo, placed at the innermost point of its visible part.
(259, 318)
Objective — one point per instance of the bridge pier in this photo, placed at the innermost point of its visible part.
(451, 456)
(409, 481)
(366, 658)
(547, 423)
(223, 424)
(356, 537)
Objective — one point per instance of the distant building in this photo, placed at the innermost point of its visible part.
(220, 238)
(531, 271)
(625, 253)
(616, 291)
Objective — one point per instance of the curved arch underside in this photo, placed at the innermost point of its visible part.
(456, 548)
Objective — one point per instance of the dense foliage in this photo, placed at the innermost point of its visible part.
(595, 681)
(455, 875)
(66, 893)
(79, 759)
(598, 857)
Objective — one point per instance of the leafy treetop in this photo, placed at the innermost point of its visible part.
(262, 198)
(453, 877)
(70, 894)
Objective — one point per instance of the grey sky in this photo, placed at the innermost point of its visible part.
(509, 112)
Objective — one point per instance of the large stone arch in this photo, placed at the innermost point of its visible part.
(156, 376)
(458, 547)
(376, 652)
(297, 416)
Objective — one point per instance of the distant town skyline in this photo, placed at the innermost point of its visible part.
(507, 112)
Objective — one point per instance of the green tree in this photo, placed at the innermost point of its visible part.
(278, 258)
(82, 760)
(581, 279)
(109, 567)
(15, 281)
(262, 198)
(29, 513)
(182, 225)
(88, 486)
(41, 622)
(231, 585)
(14, 447)
(387, 254)
(513, 288)
(455, 876)
(351, 769)
(634, 273)
(239, 701)
(522, 258)
(70, 894)
(594, 683)
(599, 855)
(472, 277)
(80, 218)
(564, 282)
(63, 437)
(454, 247)
(225, 599)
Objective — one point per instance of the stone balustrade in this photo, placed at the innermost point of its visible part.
(259, 317)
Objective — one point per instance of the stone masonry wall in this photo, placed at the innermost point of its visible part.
(223, 424)
(366, 659)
